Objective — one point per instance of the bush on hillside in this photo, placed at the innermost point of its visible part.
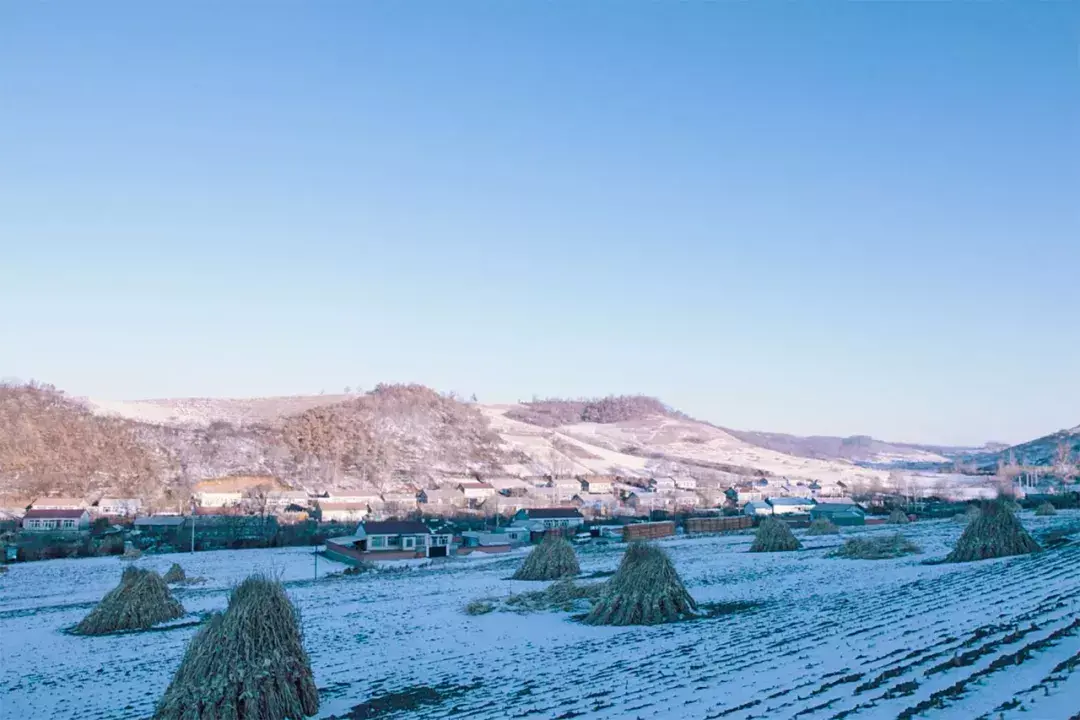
(552, 559)
(774, 535)
(140, 601)
(996, 532)
(646, 590)
(247, 663)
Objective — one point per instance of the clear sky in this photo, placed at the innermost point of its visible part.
(822, 218)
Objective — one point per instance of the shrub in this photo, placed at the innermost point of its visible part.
(248, 662)
(140, 601)
(774, 535)
(898, 517)
(175, 574)
(1046, 509)
(646, 590)
(131, 553)
(560, 595)
(3, 569)
(996, 532)
(823, 526)
(552, 559)
(878, 548)
(363, 566)
(479, 607)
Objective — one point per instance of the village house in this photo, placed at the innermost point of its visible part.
(399, 501)
(790, 505)
(543, 519)
(757, 507)
(58, 503)
(507, 485)
(565, 488)
(344, 511)
(662, 484)
(390, 540)
(281, 499)
(839, 513)
(645, 502)
(684, 482)
(118, 507)
(67, 520)
(442, 500)
(476, 490)
(686, 500)
(231, 490)
(485, 542)
(596, 505)
(167, 529)
(599, 484)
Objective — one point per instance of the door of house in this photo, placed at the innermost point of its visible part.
(408, 543)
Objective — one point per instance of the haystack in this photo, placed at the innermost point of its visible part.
(247, 663)
(876, 548)
(131, 553)
(646, 590)
(175, 574)
(774, 535)
(1046, 509)
(898, 517)
(996, 532)
(822, 526)
(552, 559)
(140, 601)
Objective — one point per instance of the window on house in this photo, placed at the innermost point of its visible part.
(69, 523)
(378, 542)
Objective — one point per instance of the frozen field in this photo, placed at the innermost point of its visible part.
(830, 638)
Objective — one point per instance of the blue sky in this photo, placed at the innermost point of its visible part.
(825, 218)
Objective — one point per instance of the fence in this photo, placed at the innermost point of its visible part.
(648, 531)
(718, 524)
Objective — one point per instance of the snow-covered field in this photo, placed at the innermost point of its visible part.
(829, 639)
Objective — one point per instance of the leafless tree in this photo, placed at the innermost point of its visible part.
(1065, 463)
(257, 500)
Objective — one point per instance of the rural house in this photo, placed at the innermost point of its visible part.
(565, 488)
(662, 484)
(403, 501)
(476, 490)
(685, 500)
(368, 497)
(842, 514)
(684, 482)
(508, 485)
(61, 520)
(442, 500)
(645, 502)
(543, 519)
(118, 507)
(757, 507)
(390, 540)
(281, 499)
(344, 511)
(167, 529)
(58, 503)
(485, 542)
(790, 505)
(599, 485)
(227, 491)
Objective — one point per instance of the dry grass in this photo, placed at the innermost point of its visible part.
(774, 535)
(996, 532)
(898, 517)
(562, 595)
(131, 553)
(479, 607)
(175, 574)
(646, 590)
(247, 663)
(823, 526)
(552, 559)
(878, 548)
(1045, 510)
(140, 601)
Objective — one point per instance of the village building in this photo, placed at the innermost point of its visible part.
(399, 501)
(790, 505)
(166, 529)
(58, 503)
(390, 540)
(65, 520)
(508, 485)
(476, 490)
(565, 488)
(231, 490)
(442, 500)
(282, 499)
(599, 484)
(757, 507)
(684, 482)
(686, 500)
(485, 542)
(344, 511)
(645, 502)
(839, 513)
(662, 484)
(118, 507)
(543, 519)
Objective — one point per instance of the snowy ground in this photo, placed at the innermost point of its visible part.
(831, 639)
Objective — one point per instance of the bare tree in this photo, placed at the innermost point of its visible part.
(257, 500)
(1065, 463)
(1007, 472)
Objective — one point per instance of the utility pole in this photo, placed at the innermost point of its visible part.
(193, 526)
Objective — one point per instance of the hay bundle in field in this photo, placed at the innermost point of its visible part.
(3, 569)
(1046, 509)
(552, 559)
(996, 532)
(898, 517)
(823, 526)
(175, 574)
(131, 553)
(646, 590)
(140, 601)
(774, 535)
(878, 548)
(247, 663)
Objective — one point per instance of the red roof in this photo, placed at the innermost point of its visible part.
(49, 514)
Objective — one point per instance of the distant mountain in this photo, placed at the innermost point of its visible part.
(1039, 452)
(856, 448)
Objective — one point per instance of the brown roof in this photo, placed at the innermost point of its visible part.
(344, 506)
(476, 486)
(239, 483)
(30, 514)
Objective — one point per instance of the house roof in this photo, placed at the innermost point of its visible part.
(486, 539)
(789, 501)
(66, 502)
(343, 506)
(396, 527)
(476, 486)
(51, 514)
(550, 513)
(837, 507)
(164, 520)
(238, 483)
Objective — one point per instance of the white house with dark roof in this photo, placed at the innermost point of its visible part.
(543, 519)
(390, 540)
(476, 490)
(118, 507)
(71, 520)
(790, 505)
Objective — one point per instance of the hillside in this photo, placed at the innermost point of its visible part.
(1041, 451)
(856, 448)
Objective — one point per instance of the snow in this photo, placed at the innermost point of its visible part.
(829, 636)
